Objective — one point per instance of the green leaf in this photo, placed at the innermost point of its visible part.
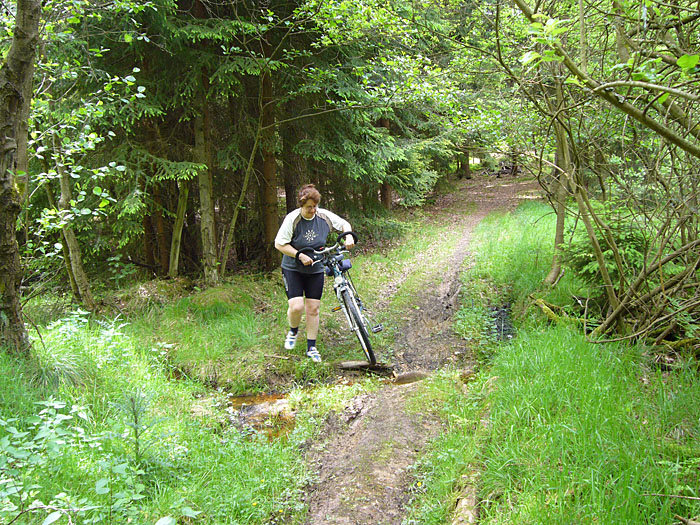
(688, 61)
(101, 486)
(529, 57)
(97, 190)
(167, 520)
(120, 469)
(190, 513)
(51, 518)
(663, 98)
(128, 38)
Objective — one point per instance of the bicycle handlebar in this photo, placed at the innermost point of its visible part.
(310, 251)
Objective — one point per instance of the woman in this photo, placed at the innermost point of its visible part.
(306, 227)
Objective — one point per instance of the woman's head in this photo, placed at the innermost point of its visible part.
(308, 192)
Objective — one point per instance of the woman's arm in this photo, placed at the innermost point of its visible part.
(290, 250)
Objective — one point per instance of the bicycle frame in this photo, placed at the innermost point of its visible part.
(350, 302)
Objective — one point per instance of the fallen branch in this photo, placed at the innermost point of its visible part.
(548, 310)
(672, 496)
(681, 344)
(686, 520)
(272, 356)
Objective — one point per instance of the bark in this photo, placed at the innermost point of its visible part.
(562, 168)
(148, 245)
(269, 176)
(385, 195)
(206, 191)
(16, 68)
(291, 181)
(467, 168)
(184, 192)
(559, 194)
(76, 260)
(162, 240)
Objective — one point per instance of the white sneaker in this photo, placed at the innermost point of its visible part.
(313, 354)
(290, 341)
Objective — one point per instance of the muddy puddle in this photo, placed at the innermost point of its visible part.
(272, 415)
(269, 414)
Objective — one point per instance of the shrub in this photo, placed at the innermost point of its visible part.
(630, 238)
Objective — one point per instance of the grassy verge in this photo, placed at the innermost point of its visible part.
(577, 432)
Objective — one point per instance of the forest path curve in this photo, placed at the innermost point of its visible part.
(363, 467)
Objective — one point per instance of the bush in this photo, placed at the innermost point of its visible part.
(630, 238)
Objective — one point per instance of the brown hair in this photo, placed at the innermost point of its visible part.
(308, 192)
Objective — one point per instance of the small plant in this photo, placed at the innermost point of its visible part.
(139, 426)
(631, 241)
(27, 457)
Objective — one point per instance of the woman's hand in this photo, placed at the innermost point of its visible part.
(305, 259)
(349, 241)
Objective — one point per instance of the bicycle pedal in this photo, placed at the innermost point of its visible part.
(377, 328)
(335, 309)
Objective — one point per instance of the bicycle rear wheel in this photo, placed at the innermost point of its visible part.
(359, 326)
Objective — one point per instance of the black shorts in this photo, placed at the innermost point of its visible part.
(298, 284)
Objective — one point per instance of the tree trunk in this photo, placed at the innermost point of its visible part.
(206, 192)
(76, 260)
(162, 240)
(147, 225)
(291, 181)
(64, 244)
(558, 190)
(269, 176)
(467, 168)
(184, 193)
(17, 66)
(562, 168)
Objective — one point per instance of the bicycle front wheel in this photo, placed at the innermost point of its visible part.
(358, 325)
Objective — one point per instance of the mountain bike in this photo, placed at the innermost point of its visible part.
(338, 266)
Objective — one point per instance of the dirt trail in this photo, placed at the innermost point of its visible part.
(363, 468)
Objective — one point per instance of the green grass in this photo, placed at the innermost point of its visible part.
(582, 432)
(578, 432)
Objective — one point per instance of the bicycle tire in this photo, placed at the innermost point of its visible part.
(361, 331)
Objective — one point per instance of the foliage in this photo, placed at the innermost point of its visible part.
(631, 240)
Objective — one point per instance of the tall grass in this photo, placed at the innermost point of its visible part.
(577, 432)
(583, 433)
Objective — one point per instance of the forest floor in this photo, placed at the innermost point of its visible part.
(364, 459)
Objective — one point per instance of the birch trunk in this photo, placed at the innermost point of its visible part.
(76, 260)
